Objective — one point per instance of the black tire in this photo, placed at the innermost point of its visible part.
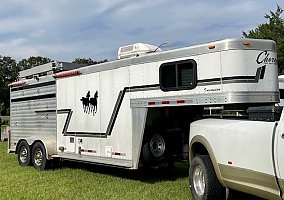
(154, 150)
(24, 154)
(39, 158)
(204, 183)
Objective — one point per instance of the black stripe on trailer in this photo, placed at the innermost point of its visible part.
(260, 71)
(234, 79)
(45, 96)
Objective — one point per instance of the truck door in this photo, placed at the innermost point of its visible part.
(280, 153)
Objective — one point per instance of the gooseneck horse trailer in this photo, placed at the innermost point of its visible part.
(135, 111)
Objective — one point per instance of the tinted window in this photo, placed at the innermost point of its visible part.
(169, 78)
(178, 75)
(281, 94)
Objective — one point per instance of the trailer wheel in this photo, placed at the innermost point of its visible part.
(154, 150)
(24, 155)
(39, 158)
(204, 183)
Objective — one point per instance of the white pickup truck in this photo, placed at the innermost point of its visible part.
(242, 155)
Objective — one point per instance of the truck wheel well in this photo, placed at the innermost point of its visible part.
(198, 148)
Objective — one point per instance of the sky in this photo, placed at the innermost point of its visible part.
(67, 29)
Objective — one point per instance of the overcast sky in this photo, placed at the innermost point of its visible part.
(66, 29)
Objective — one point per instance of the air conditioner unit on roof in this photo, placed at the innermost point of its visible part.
(136, 49)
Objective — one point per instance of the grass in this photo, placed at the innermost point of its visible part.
(86, 181)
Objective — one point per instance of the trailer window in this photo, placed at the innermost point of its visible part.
(180, 75)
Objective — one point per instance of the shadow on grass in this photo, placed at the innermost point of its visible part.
(148, 175)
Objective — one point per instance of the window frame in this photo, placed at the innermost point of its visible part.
(176, 63)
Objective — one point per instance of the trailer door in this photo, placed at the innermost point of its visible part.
(66, 119)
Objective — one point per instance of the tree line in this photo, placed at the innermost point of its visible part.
(273, 29)
(9, 70)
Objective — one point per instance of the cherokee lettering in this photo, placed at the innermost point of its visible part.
(264, 58)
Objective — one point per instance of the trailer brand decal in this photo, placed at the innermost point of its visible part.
(90, 104)
(265, 58)
(212, 90)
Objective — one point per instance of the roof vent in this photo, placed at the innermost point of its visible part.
(136, 49)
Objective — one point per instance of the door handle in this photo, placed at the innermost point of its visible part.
(282, 135)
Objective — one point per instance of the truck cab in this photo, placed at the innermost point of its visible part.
(242, 155)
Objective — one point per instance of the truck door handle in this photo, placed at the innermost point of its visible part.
(282, 135)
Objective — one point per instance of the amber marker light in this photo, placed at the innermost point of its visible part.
(246, 43)
(211, 47)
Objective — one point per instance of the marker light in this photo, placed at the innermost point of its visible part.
(16, 84)
(246, 43)
(68, 73)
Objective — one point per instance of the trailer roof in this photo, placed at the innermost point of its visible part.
(221, 45)
(210, 47)
(48, 68)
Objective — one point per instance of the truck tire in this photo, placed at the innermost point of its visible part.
(39, 158)
(154, 150)
(204, 183)
(24, 154)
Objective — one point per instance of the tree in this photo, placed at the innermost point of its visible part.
(32, 62)
(274, 30)
(8, 73)
(88, 61)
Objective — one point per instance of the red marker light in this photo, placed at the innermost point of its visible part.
(68, 73)
(180, 101)
(16, 84)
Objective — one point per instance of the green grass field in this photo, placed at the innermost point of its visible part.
(86, 181)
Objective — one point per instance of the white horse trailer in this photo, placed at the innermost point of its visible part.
(135, 110)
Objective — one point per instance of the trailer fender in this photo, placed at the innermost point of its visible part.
(17, 145)
(200, 145)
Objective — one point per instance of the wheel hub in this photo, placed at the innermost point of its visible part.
(198, 181)
(38, 156)
(157, 145)
(23, 154)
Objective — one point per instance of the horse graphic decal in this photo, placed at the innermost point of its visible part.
(90, 104)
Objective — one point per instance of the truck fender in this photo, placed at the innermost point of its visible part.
(200, 141)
